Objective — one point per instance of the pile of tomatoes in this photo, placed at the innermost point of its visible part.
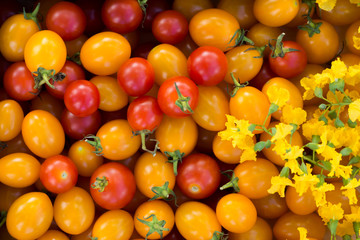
(109, 115)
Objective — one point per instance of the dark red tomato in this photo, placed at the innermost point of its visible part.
(19, 82)
(66, 19)
(170, 27)
(92, 10)
(79, 127)
(46, 101)
(73, 72)
(58, 174)
(207, 66)
(136, 76)
(153, 8)
(168, 96)
(263, 76)
(144, 113)
(82, 98)
(198, 176)
(290, 64)
(143, 50)
(121, 16)
(9, 9)
(112, 186)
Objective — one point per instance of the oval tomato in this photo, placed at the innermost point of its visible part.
(11, 117)
(53, 235)
(301, 205)
(260, 231)
(271, 207)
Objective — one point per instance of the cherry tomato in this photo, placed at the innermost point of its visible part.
(136, 76)
(300, 18)
(82, 98)
(335, 196)
(344, 13)
(11, 117)
(114, 224)
(190, 7)
(74, 211)
(10, 194)
(169, 97)
(263, 76)
(74, 46)
(92, 10)
(271, 207)
(112, 185)
(43, 133)
(351, 32)
(350, 59)
(30, 216)
(54, 235)
(225, 152)
(196, 220)
(213, 27)
(104, 53)
(301, 205)
(19, 170)
(153, 8)
(66, 19)
(260, 231)
(15, 145)
(45, 101)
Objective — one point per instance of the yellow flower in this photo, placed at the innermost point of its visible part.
(303, 233)
(293, 164)
(282, 130)
(293, 115)
(281, 146)
(357, 40)
(319, 193)
(354, 110)
(353, 75)
(278, 96)
(248, 154)
(350, 191)
(345, 228)
(355, 214)
(313, 127)
(278, 185)
(326, 5)
(340, 170)
(338, 68)
(303, 182)
(331, 212)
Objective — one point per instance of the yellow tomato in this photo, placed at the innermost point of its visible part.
(242, 10)
(53, 235)
(351, 32)
(11, 117)
(262, 35)
(260, 231)
(344, 13)
(225, 151)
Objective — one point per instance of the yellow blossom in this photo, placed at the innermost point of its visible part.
(293, 115)
(319, 193)
(303, 233)
(282, 130)
(350, 190)
(278, 96)
(281, 146)
(278, 185)
(355, 214)
(353, 75)
(338, 68)
(326, 5)
(303, 182)
(354, 110)
(248, 154)
(293, 153)
(331, 212)
(345, 228)
(313, 127)
(356, 40)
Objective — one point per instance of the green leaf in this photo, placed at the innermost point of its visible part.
(273, 131)
(259, 146)
(318, 92)
(273, 108)
(312, 146)
(327, 165)
(315, 139)
(347, 99)
(339, 123)
(321, 177)
(354, 160)
(332, 114)
(285, 172)
(252, 127)
(351, 123)
(345, 151)
(268, 144)
(338, 84)
(303, 168)
(322, 106)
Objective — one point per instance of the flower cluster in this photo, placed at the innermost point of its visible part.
(328, 5)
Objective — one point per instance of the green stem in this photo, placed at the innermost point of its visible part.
(143, 134)
(33, 15)
(183, 102)
(3, 215)
(163, 192)
(174, 158)
(154, 225)
(100, 184)
(95, 142)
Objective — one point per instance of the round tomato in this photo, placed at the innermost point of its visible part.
(224, 150)
(53, 235)
(30, 216)
(74, 211)
(43, 133)
(260, 231)
(112, 185)
(301, 205)
(351, 33)
(11, 117)
(58, 174)
(271, 207)
(345, 12)
(190, 7)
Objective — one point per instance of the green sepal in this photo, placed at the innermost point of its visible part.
(174, 158)
(259, 146)
(95, 142)
(33, 15)
(318, 92)
(155, 225)
(285, 171)
(163, 192)
(354, 160)
(100, 184)
(233, 183)
(332, 114)
(351, 123)
(339, 123)
(273, 108)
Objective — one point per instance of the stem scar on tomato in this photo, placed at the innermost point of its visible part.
(155, 225)
(279, 50)
(100, 184)
(237, 86)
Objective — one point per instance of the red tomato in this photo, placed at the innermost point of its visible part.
(82, 98)
(92, 10)
(174, 105)
(207, 66)
(153, 8)
(58, 174)
(198, 176)
(112, 186)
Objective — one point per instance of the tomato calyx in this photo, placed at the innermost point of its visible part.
(43, 76)
(233, 183)
(3, 215)
(240, 38)
(75, 58)
(143, 134)
(311, 27)
(163, 192)
(182, 102)
(237, 85)
(100, 184)
(33, 15)
(219, 236)
(95, 142)
(155, 225)
(174, 158)
(143, 6)
(279, 50)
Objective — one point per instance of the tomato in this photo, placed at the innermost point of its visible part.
(19, 82)
(252, 105)
(351, 32)
(301, 205)
(286, 226)
(11, 117)
(225, 152)
(198, 176)
(321, 47)
(30, 216)
(168, 61)
(19, 170)
(271, 207)
(196, 220)
(260, 231)
(170, 27)
(343, 13)
(263, 76)
(14, 33)
(146, 214)
(187, 46)
(275, 13)
(15, 145)
(117, 140)
(300, 18)
(74, 211)
(54, 235)
(288, 64)
(45, 49)
(189, 8)
(83, 156)
(45, 101)
(74, 46)
(43, 133)
(244, 63)
(178, 97)
(104, 53)
(153, 8)
(112, 185)
(112, 96)
(350, 59)
(58, 174)
(136, 76)
(10, 194)
(207, 66)
(335, 196)
(114, 224)
(92, 10)
(82, 98)
(213, 27)
(121, 16)
(66, 19)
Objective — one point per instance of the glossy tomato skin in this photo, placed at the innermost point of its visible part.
(136, 76)
(207, 66)
(168, 95)
(11, 117)
(120, 189)
(66, 19)
(292, 63)
(121, 16)
(47, 102)
(260, 231)
(54, 234)
(43, 133)
(270, 207)
(58, 174)
(82, 98)
(30, 216)
(242, 10)
(153, 8)
(198, 176)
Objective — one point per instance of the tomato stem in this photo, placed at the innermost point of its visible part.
(100, 184)
(219, 236)
(240, 38)
(155, 225)
(75, 58)
(95, 142)
(183, 102)
(143, 134)
(163, 192)
(237, 85)
(33, 15)
(279, 50)
(233, 183)
(174, 158)
(43, 76)
(311, 27)
(3, 215)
